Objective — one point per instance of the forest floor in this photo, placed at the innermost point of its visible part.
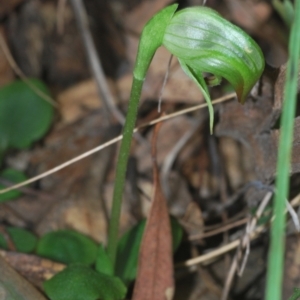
(213, 183)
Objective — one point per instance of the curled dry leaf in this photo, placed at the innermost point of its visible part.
(155, 268)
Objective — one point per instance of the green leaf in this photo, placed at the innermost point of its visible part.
(129, 246)
(3, 243)
(24, 116)
(177, 233)
(286, 10)
(13, 176)
(128, 251)
(79, 282)
(67, 246)
(295, 295)
(23, 239)
(103, 262)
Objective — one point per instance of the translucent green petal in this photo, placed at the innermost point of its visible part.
(199, 80)
(206, 42)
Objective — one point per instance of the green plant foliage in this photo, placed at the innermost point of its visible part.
(287, 122)
(24, 116)
(296, 294)
(12, 176)
(177, 233)
(129, 246)
(23, 239)
(128, 251)
(67, 246)
(286, 10)
(79, 282)
(103, 262)
(3, 243)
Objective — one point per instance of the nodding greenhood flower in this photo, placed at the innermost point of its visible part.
(203, 42)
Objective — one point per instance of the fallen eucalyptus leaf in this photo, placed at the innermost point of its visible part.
(14, 287)
(129, 247)
(155, 278)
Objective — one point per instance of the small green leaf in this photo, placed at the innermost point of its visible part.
(79, 282)
(12, 176)
(103, 262)
(129, 246)
(3, 243)
(295, 295)
(177, 233)
(67, 246)
(128, 251)
(24, 116)
(286, 10)
(23, 240)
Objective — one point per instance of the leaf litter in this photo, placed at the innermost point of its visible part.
(70, 199)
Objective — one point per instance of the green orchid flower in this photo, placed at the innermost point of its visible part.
(203, 42)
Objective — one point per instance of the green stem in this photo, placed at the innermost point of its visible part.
(276, 251)
(151, 39)
(121, 168)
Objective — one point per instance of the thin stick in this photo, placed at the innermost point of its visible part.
(171, 156)
(111, 142)
(219, 251)
(164, 84)
(215, 253)
(94, 61)
(218, 230)
(20, 73)
(61, 5)
(293, 215)
(244, 243)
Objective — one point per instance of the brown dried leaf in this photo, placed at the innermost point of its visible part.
(249, 14)
(34, 268)
(81, 208)
(155, 270)
(78, 101)
(252, 124)
(192, 221)
(7, 7)
(14, 286)
(6, 71)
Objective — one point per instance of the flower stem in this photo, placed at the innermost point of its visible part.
(277, 247)
(122, 166)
